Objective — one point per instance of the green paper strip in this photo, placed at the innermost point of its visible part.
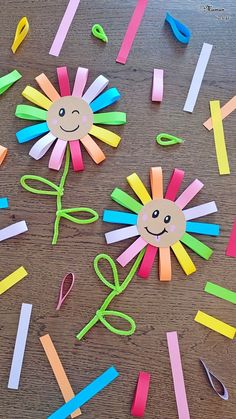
(30, 112)
(126, 201)
(8, 80)
(110, 118)
(220, 292)
(197, 246)
(167, 139)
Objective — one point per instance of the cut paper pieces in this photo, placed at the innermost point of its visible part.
(58, 371)
(215, 324)
(69, 119)
(231, 247)
(86, 394)
(198, 77)
(12, 279)
(226, 110)
(221, 151)
(13, 230)
(65, 289)
(141, 394)
(224, 395)
(167, 139)
(178, 376)
(117, 288)
(220, 292)
(21, 32)
(20, 345)
(4, 203)
(98, 32)
(160, 223)
(3, 153)
(179, 30)
(8, 80)
(131, 31)
(64, 27)
(157, 85)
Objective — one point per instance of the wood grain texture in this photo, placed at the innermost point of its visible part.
(156, 307)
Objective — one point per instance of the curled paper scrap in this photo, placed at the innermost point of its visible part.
(20, 345)
(98, 32)
(67, 282)
(224, 395)
(4, 203)
(3, 153)
(58, 191)
(21, 31)
(13, 230)
(12, 279)
(231, 247)
(116, 289)
(86, 394)
(8, 80)
(180, 31)
(168, 139)
(141, 394)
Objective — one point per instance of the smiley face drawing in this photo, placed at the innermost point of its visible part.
(70, 118)
(161, 223)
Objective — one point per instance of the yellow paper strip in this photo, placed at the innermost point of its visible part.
(183, 258)
(138, 187)
(12, 279)
(36, 97)
(221, 152)
(105, 135)
(215, 324)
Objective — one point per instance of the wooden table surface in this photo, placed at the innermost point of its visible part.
(156, 307)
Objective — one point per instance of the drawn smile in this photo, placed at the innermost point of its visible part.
(156, 234)
(69, 130)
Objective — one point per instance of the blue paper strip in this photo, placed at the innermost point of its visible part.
(105, 99)
(119, 217)
(31, 132)
(86, 394)
(180, 31)
(4, 203)
(203, 228)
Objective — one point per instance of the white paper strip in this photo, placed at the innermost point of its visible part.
(13, 230)
(99, 84)
(121, 234)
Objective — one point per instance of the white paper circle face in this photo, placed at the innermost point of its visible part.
(70, 118)
(161, 223)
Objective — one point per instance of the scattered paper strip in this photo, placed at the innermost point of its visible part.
(3, 153)
(221, 151)
(226, 110)
(12, 279)
(215, 324)
(13, 230)
(220, 292)
(4, 203)
(231, 248)
(141, 394)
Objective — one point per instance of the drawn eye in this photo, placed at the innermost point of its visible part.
(62, 112)
(155, 214)
(167, 219)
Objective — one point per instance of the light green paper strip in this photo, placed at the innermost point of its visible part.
(220, 292)
(122, 198)
(30, 112)
(197, 246)
(110, 118)
(8, 80)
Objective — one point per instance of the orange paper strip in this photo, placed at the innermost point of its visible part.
(156, 179)
(164, 264)
(3, 153)
(229, 107)
(58, 371)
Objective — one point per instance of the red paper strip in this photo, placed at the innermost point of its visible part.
(231, 248)
(141, 394)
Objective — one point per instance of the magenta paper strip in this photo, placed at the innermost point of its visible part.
(231, 248)
(177, 374)
(64, 27)
(131, 31)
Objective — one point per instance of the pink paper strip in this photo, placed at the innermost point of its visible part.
(64, 289)
(190, 192)
(99, 84)
(76, 156)
(200, 211)
(124, 233)
(57, 155)
(131, 31)
(63, 80)
(174, 184)
(64, 27)
(131, 252)
(148, 261)
(157, 85)
(80, 81)
(231, 248)
(178, 376)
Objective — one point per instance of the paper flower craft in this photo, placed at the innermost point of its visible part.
(161, 222)
(69, 118)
